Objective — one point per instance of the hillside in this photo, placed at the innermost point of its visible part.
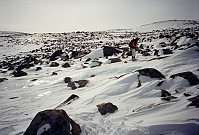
(35, 71)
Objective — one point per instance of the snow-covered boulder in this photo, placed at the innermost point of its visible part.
(53, 122)
(193, 80)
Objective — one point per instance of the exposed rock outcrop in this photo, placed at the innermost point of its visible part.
(53, 122)
(151, 72)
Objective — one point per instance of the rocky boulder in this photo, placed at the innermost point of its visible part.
(193, 80)
(53, 122)
(109, 51)
(66, 65)
(167, 51)
(82, 83)
(67, 79)
(55, 55)
(195, 101)
(107, 108)
(151, 72)
(54, 64)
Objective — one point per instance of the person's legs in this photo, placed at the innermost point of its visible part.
(133, 54)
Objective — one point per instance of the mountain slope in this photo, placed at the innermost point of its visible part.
(141, 110)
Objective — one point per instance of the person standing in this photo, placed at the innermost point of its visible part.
(133, 46)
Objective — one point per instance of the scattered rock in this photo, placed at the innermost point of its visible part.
(3, 79)
(66, 65)
(151, 72)
(160, 83)
(165, 93)
(19, 73)
(168, 98)
(193, 80)
(34, 80)
(57, 121)
(67, 79)
(54, 64)
(195, 101)
(89, 59)
(38, 68)
(107, 108)
(114, 60)
(72, 85)
(82, 83)
(68, 101)
(186, 94)
(54, 73)
(92, 76)
(96, 63)
(13, 97)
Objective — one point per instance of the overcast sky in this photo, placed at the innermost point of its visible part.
(90, 15)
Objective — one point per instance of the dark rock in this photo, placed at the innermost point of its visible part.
(193, 80)
(3, 79)
(160, 83)
(54, 64)
(89, 59)
(57, 121)
(55, 55)
(68, 100)
(13, 97)
(195, 101)
(34, 80)
(109, 51)
(114, 60)
(67, 79)
(72, 85)
(54, 73)
(38, 68)
(151, 72)
(167, 51)
(82, 83)
(24, 65)
(19, 73)
(107, 108)
(165, 93)
(92, 76)
(66, 65)
(74, 54)
(186, 94)
(98, 63)
(168, 98)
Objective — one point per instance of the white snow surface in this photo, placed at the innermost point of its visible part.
(140, 110)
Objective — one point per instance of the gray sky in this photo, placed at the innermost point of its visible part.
(90, 15)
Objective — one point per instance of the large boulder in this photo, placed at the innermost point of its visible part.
(19, 73)
(193, 80)
(53, 122)
(55, 55)
(109, 51)
(151, 72)
(107, 108)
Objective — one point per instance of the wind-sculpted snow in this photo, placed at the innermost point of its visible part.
(141, 109)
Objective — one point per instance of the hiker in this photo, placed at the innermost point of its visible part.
(133, 46)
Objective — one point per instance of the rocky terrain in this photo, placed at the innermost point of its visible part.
(91, 77)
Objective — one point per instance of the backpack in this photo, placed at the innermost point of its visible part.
(133, 43)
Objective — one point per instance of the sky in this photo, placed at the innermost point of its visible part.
(37, 16)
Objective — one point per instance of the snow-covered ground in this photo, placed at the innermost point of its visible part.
(140, 109)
